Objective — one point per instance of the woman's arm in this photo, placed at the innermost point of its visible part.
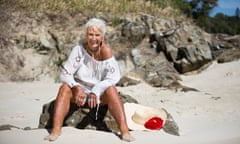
(71, 66)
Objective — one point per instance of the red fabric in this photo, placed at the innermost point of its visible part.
(154, 123)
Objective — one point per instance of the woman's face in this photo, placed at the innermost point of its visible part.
(94, 37)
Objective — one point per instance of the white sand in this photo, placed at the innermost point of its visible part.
(210, 116)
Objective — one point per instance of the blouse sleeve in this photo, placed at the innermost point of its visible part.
(71, 66)
(111, 78)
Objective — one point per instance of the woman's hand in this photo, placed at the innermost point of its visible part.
(79, 95)
(92, 100)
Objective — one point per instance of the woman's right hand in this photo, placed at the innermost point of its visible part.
(79, 95)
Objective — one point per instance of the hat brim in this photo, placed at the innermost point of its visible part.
(131, 108)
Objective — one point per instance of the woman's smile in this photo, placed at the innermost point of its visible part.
(94, 38)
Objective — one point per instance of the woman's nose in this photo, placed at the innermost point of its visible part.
(93, 37)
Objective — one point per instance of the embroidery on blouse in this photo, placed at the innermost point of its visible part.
(111, 69)
(77, 59)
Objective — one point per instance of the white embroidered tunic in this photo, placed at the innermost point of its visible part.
(94, 76)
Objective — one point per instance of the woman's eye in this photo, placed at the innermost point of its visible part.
(91, 35)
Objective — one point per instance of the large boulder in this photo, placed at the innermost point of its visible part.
(225, 48)
(153, 66)
(192, 57)
(83, 118)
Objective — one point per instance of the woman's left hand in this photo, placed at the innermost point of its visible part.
(92, 100)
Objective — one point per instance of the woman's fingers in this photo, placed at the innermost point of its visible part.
(92, 100)
(79, 94)
(82, 99)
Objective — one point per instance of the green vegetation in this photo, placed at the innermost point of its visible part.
(199, 11)
(116, 21)
(113, 6)
(224, 24)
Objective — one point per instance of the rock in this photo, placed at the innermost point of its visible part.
(159, 72)
(83, 118)
(225, 48)
(176, 86)
(192, 57)
(171, 126)
(225, 41)
(127, 98)
(129, 78)
(11, 61)
(228, 55)
(8, 127)
(134, 32)
(48, 41)
(142, 54)
(41, 42)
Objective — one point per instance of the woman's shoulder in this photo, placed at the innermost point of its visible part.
(78, 48)
(106, 52)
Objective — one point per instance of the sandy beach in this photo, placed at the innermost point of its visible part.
(210, 116)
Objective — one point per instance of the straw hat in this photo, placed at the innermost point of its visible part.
(140, 117)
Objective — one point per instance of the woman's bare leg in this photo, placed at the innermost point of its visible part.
(61, 108)
(115, 105)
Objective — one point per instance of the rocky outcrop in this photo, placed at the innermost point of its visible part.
(11, 59)
(225, 48)
(182, 43)
(155, 48)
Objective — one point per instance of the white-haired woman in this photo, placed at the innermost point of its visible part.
(89, 76)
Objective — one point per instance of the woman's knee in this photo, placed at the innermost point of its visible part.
(112, 90)
(64, 86)
(65, 90)
(110, 94)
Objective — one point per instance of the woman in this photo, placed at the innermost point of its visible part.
(89, 76)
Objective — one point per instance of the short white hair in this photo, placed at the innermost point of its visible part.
(96, 22)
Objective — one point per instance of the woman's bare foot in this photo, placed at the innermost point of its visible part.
(127, 137)
(51, 137)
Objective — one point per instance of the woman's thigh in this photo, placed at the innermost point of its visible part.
(110, 95)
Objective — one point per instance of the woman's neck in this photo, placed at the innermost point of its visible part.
(94, 53)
